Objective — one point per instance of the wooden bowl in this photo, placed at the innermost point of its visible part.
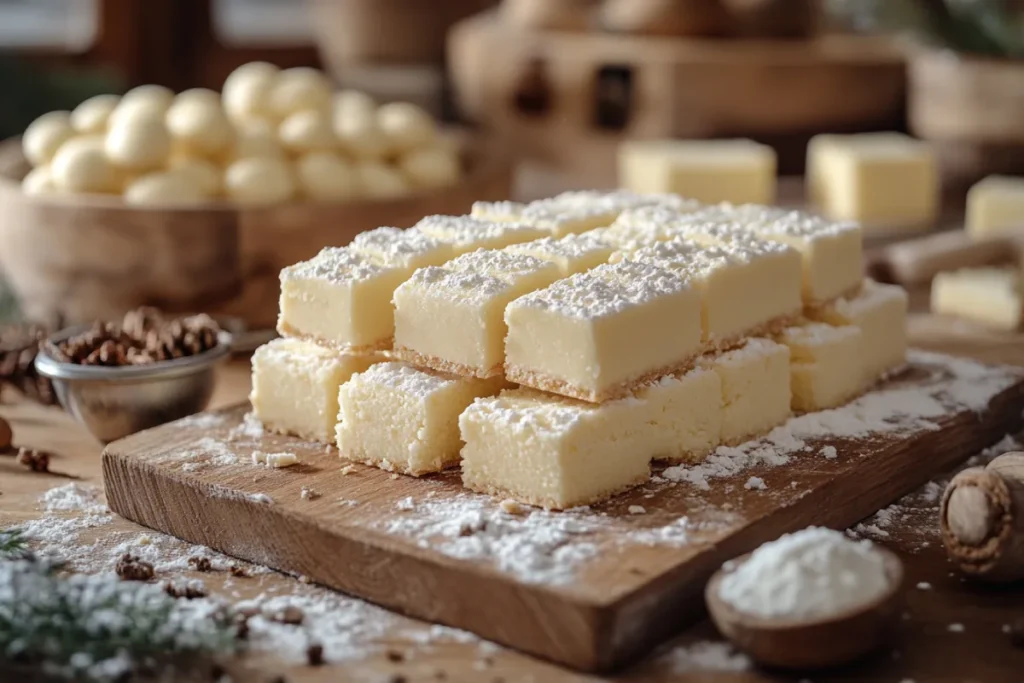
(77, 258)
(810, 643)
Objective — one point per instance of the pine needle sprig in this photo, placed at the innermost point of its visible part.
(98, 628)
(13, 544)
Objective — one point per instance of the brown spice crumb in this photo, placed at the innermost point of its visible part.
(394, 656)
(289, 614)
(190, 590)
(131, 568)
(315, 654)
(35, 460)
(238, 572)
(200, 564)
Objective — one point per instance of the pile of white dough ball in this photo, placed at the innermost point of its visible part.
(272, 136)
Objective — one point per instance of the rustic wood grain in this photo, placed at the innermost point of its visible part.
(628, 599)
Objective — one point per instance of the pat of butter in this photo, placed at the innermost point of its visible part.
(995, 206)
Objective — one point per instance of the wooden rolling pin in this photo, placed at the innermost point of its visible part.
(982, 519)
(916, 262)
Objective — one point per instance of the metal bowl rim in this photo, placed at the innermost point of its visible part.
(53, 369)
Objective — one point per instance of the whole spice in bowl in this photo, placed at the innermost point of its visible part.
(121, 377)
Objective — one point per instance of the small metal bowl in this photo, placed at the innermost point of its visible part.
(113, 402)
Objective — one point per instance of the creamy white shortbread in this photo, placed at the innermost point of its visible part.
(755, 388)
(552, 451)
(465, 233)
(823, 370)
(573, 253)
(685, 414)
(596, 335)
(880, 311)
(451, 318)
(404, 419)
(295, 386)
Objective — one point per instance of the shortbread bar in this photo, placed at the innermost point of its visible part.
(295, 386)
(730, 308)
(596, 335)
(572, 254)
(755, 388)
(342, 296)
(832, 252)
(823, 373)
(552, 451)
(403, 419)
(990, 296)
(880, 311)
(466, 234)
(451, 318)
(685, 413)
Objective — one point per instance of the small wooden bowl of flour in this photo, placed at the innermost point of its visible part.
(810, 600)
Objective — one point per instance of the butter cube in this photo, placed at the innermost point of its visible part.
(738, 171)
(995, 206)
(991, 296)
(882, 180)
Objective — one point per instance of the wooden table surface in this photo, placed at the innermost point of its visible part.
(926, 650)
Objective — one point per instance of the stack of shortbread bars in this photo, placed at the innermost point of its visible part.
(553, 350)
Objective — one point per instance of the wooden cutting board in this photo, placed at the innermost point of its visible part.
(593, 588)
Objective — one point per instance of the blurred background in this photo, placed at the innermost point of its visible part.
(540, 94)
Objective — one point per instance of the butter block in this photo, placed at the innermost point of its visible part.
(685, 414)
(466, 234)
(596, 335)
(883, 181)
(295, 386)
(404, 419)
(451, 317)
(880, 311)
(554, 452)
(990, 296)
(756, 393)
(822, 374)
(574, 253)
(738, 171)
(995, 206)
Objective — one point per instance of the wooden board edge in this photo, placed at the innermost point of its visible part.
(641, 620)
(529, 618)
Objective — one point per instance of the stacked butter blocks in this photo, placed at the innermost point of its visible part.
(553, 350)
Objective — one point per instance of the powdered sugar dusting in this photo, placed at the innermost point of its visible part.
(706, 656)
(74, 497)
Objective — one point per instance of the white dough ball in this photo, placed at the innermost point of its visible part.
(352, 102)
(259, 180)
(300, 89)
(203, 173)
(45, 135)
(38, 181)
(307, 131)
(145, 101)
(81, 165)
(163, 189)
(380, 181)
(255, 138)
(406, 126)
(91, 115)
(204, 95)
(246, 91)
(138, 144)
(359, 135)
(200, 126)
(325, 175)
(431, 167)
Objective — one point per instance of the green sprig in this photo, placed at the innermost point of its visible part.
(13, 544)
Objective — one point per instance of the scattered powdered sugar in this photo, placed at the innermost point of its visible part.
(535, 546)
(958, 385)
(829, 452)
(207, 452)
(201, 421)
(637, 509)
(74, 497)
(251, 428)
(706, 656)
(810, 573)
(755, 483)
